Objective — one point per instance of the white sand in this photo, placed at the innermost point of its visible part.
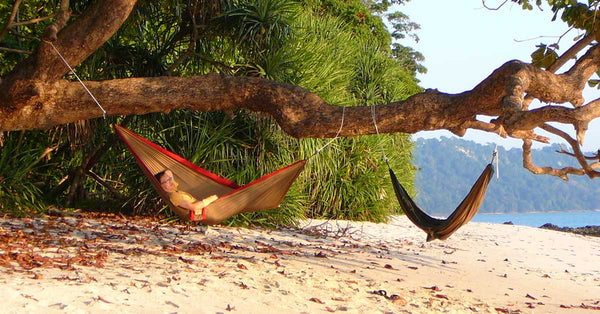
(71, 265)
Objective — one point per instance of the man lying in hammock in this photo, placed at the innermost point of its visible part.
(180, 198)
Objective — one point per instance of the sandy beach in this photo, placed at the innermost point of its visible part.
(107, 263)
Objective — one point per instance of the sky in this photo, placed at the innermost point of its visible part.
(463, 42)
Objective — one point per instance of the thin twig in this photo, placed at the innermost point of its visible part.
(33, 21)
(493, 9)
(9, 23)
(16, 50)
(564, 151)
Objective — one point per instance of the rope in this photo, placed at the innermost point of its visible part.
(77, 76)
(336, 135)
(497, 160)
(378, 137)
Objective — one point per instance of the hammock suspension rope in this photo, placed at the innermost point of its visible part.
(77, 76)
(440, 228)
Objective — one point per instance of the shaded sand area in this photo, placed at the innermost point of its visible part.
(105, 263)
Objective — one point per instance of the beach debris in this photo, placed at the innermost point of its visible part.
(242, 285)
(530, 297)
(27, 296)
(530, 305)
(329, 309)
(320, 255)
(589, 307)
(413, 267)
(316, 300)
(99, 298)
(229, 308)
(388, 266)
(434, 288)
(505, 310)
(186, 260)
(396, 299)
(242, 266)
(441, 296)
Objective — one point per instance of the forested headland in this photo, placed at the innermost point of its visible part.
(448, 167)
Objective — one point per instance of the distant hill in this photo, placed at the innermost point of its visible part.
(448, 168)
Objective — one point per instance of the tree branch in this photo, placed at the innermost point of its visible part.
(76, 41)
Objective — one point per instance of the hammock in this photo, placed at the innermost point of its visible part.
(264, 193)
(443, 228)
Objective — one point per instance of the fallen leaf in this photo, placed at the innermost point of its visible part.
(242, 266)
(172, 304)
(316, 300)
(530, 297)
(398, 300)
(186, 260)
(27, 296)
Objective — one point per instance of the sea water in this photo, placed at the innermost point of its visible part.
(561, 219)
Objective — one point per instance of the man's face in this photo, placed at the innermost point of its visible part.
(167, 182)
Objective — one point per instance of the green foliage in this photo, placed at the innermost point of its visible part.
(544, 56)
(21, 164)
(349, 178)
(595, 83)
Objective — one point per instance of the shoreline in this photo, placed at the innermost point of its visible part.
(544, 212)
(107, 263)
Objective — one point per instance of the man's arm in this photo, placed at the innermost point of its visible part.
(198, 205)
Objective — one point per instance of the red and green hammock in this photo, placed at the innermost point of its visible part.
(266, 192)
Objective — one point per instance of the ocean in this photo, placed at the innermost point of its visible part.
(561, 219)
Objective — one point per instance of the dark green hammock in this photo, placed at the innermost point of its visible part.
(443, 228)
